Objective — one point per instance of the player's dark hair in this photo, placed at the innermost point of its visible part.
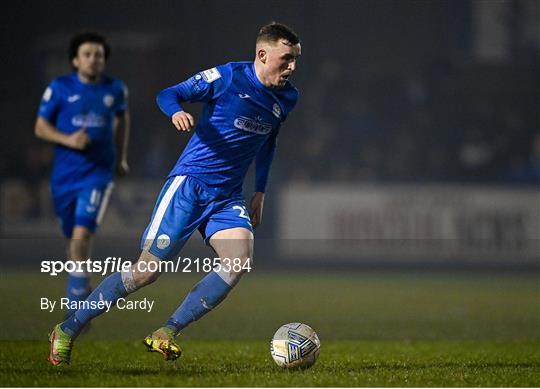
(87, 37)
(274, 31)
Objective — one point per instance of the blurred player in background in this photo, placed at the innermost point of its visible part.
(85, 115)
(245, 104)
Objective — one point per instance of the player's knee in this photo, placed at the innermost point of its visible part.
(145, 272)
(133, 281)
(146, 277)
(81, 234)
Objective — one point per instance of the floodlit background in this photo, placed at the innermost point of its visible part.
(403, 202)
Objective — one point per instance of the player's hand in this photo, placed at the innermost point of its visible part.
(122, 168)
(183, 121)
(256, 209)
(79, 140)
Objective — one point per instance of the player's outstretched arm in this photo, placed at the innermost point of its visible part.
(121, 135)
(78, 140)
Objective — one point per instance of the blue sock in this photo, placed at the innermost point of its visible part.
(78, 288)
(204, 296)
(111, 289)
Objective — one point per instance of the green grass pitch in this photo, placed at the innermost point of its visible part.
(376, 329)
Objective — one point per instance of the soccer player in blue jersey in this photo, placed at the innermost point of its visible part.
(245, 104)
(85, 115)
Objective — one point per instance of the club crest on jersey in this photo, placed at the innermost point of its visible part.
(211, 75)
(276, 110)
(108, 100)
(256, 126)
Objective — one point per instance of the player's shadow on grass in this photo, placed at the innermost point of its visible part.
(174, 369)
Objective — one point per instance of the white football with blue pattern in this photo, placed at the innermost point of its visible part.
(295, 345)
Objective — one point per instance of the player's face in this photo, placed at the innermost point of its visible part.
(90, 60)
(281, 59)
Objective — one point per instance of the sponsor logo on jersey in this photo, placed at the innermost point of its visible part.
(74, 98)
(211, 75)
(276, 110)
(47, 94)
(244, 95)
(108, 100)
(256, 126)
(89, 120)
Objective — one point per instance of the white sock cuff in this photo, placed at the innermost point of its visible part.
(79, 274)
(128, 281)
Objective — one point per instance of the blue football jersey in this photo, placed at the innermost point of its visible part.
(240, 122)
(69, 105)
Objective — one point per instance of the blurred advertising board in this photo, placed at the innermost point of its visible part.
(404, 223)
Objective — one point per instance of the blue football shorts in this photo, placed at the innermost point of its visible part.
(82, 207)
(183, 206)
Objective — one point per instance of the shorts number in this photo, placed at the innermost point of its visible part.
(243, 211)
